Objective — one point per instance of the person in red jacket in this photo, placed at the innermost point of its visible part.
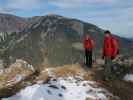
(88, 45)
(110, 51)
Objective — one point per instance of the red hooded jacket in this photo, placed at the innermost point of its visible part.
(88, 43)
(111, 47)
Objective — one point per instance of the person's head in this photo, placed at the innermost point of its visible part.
(107, 33)
(87, 36)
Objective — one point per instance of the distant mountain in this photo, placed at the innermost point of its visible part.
(50, 39)
(131, 39)
(11, 23)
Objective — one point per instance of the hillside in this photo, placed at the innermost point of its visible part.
(50, 39)
(11, 23)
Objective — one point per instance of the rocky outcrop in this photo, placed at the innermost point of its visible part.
(11, 78)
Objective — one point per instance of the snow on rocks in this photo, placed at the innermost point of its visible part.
(16, 73)
(11, 77)
(22, 63)
(64, 71)
(63, 88)
(128, 77)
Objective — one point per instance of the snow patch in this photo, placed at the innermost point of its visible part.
(50, 72)
(63, 89)
(128, 77)
(78, 46)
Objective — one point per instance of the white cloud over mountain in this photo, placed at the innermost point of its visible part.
(115, 15)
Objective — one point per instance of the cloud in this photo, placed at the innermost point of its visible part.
(21, 6)
(6, 10)
(24, 4)
(64, 3)
(115, 15)
(77, 3)
(97, 1)
(2, 10)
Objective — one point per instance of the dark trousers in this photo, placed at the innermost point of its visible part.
(108, 68)
(88, 56)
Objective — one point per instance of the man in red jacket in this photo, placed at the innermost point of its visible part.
(88, 45)
(110, 51)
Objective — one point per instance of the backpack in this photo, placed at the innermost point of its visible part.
(115, 46)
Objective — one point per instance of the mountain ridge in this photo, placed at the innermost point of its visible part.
(11, 23)
(50, 38)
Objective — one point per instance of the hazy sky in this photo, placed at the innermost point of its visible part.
(115, 15)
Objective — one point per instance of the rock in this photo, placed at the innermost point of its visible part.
(12, 77)
(124, 60)
(100, 61)
(88, 98)
(78, 46)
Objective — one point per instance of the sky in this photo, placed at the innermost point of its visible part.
(113, 15)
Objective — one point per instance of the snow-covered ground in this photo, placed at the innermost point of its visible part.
(63, 89)
(128, 77)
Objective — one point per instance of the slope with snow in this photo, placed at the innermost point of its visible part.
(67, 88)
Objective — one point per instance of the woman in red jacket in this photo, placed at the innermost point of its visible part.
(88, 45)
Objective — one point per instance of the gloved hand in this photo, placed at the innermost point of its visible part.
(112, 57)
(118, 52)
(102, 57)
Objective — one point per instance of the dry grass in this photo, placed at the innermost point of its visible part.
(8, 77)
(12, 77)
(42, 77)
(64, 71)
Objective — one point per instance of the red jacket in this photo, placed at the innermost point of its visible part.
(115, 43)
(88, 43)
(111, 47)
